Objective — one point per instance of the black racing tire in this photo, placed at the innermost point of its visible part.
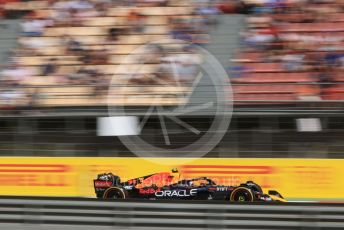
(241, 194)
(115, 193)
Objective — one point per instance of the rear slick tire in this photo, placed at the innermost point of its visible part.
(115, 193)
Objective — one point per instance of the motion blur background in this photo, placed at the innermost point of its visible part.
(284, 60)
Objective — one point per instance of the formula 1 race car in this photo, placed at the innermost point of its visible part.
(167, 185)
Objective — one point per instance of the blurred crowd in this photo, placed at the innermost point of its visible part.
(296, 42)
(71, 59)
(291, 49)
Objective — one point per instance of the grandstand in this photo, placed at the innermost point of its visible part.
(70, 59)
(287, 55)
(286, 64)
(292, 52)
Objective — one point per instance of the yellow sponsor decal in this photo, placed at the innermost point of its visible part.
(315, 179)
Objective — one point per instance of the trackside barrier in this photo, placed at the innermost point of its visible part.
(17, 213)
(295, 179)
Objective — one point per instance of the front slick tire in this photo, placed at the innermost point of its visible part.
(115, 193)
(241, 194)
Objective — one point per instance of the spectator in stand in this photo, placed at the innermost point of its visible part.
(100, 57)
(50, 67)
(187, 64)
(5, 13)
(228, 7)
(95, 57)
(16, 74)
(179, 30)
(341, 62)
(11, 96)
(68, 13)
(153, 54)
(113, 35)
(77, 4)
(34, 27)
(165, 72)
(333, 60)
(199, 23)
(210, 12)
(136, 21)
(293, 61)
(33, 45)
(83, 13)
(78, 78)
(99, 82)
(102, 7)
(61, 17)
(81, 5)
(86, 57)
(257, 39)
(146, 79)
(152, 2)
(178, 68)
(73, 46)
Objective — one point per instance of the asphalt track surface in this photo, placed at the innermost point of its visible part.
(60, 213)
(302, 203)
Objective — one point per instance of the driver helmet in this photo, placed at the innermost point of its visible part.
(175, 173)
(175, 170)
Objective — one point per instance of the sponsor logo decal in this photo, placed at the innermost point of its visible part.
(148, 191)
(176, 193)
(102, 183)
(34, 175)
(222, 189)
(128, 187)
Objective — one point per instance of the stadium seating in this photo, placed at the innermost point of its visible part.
(290, 51)
(92, 34)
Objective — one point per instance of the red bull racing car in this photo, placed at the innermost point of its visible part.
(166, 185)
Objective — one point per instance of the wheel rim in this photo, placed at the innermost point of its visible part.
(115, 194)
(242, 195)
